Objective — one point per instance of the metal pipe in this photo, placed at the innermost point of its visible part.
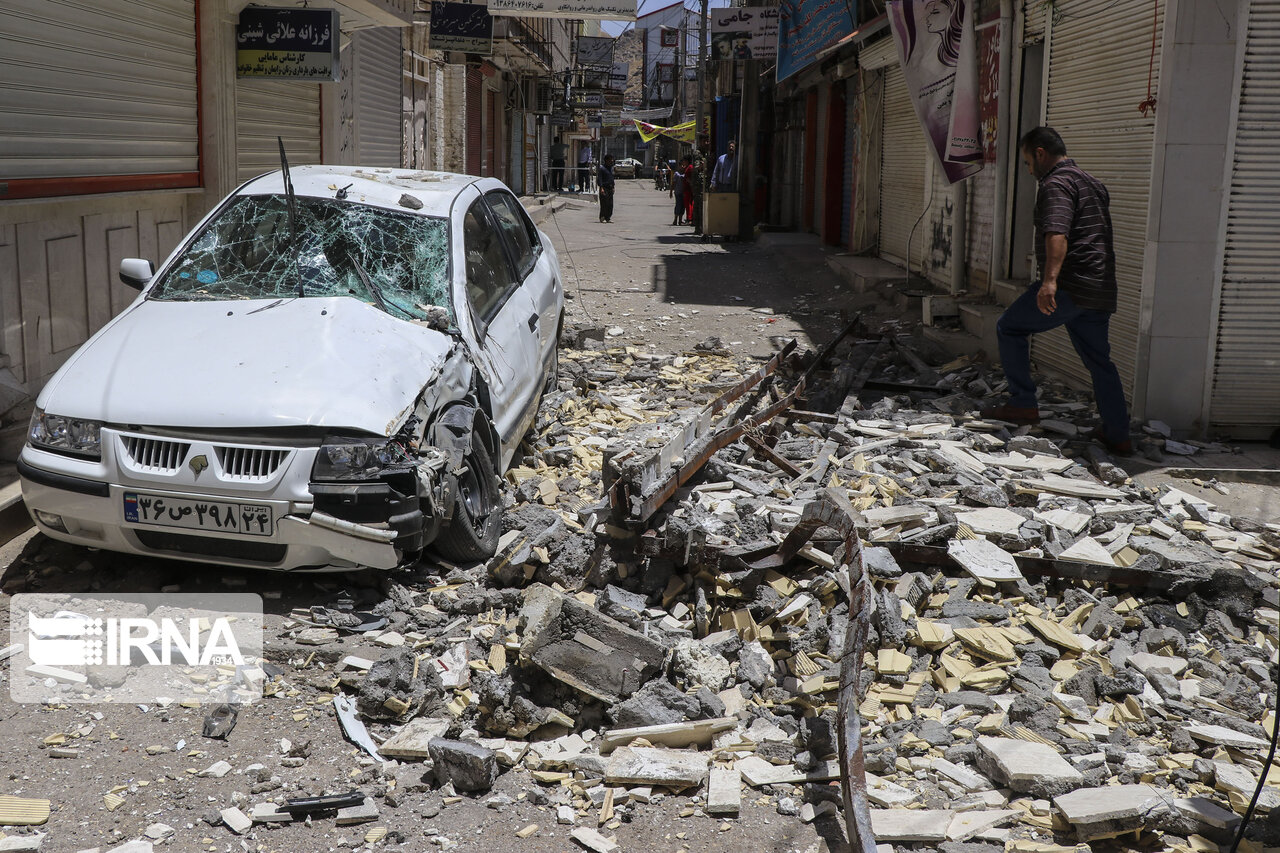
(959, 234)
(998, 263)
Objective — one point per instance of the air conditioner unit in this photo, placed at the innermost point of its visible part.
(544, 92)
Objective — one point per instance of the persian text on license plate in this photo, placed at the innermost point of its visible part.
(218, 516)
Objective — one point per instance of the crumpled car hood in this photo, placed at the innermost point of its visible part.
(320, 362)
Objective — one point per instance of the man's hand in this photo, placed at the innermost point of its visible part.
(1047, 297)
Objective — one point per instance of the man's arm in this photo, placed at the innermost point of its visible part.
(1055, 252)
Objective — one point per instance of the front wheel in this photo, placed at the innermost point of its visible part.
(473, 532)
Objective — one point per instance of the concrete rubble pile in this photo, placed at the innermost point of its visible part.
(1055, 656)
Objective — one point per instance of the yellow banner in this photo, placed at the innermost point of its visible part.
(680, 133)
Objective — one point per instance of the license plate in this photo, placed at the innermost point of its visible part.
(198, 514)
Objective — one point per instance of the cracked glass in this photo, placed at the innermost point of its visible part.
(398, 262)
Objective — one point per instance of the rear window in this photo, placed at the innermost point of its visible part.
(247, 252)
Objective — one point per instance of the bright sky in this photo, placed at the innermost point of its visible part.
(616, 28)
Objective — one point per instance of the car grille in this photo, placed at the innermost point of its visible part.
(155, 455)
(249, 464)
(207, 546)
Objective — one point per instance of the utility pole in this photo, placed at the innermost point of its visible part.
(702, 69)
(677, 72)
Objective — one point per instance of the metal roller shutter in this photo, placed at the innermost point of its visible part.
(491, 135)
(475, 120)
(903, 159)
(850, 155)
(377, 84)
(1034, 15)
(1098, 65)
(97, 87)
(1246, 394)
(266, 109)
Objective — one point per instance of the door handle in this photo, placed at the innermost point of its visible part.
(533, 323)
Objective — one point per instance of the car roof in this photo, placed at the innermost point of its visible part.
(373, 185)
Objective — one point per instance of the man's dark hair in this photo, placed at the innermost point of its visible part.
(1046, 138)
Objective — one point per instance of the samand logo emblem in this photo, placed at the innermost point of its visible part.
(198, 464)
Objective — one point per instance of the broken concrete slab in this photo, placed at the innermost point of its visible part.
(1223, 736)
(363, 813)
(965, 825)
(673, 735)
(1026, 767)
(757, 772)
(584, 648)
(413, 740)
(912, 825)
(991, 520)
(236, 820)
(468, 766)
(985, 560)
(724, 790)
(653, 766)
(1098, 813)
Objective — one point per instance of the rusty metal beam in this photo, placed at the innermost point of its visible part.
(771, 455)
(720, 403)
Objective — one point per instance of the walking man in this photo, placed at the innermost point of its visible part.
(1077, 288)
(584, 167)
(724, 179)
(604, 181)
(559, 152)
(696, 183)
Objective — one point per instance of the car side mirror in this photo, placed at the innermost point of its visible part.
(136, 272)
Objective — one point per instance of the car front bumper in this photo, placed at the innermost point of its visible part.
(83, 510)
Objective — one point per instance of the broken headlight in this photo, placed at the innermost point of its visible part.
(342, 458)
(65, 435)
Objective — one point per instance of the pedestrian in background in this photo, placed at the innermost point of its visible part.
(677, 192)
(698, 183)
(686, 186)
(584, 168)
(724, 179)
(559, 153)
(605, 183)
(1076, 289)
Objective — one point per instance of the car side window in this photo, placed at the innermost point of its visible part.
(489, 275)
(518, 228)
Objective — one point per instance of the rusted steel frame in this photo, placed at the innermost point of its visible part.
(832, 509)
(771, 455)
(904, 387)
(716, 441)
(827, 350)
(720, 403)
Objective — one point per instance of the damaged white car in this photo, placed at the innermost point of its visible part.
(331, 371)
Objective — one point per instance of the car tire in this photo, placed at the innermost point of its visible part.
(473, 532)
(552, 383)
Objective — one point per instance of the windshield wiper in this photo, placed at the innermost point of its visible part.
(292, 204)
(374, 290)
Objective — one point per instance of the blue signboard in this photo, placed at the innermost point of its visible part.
(298, 44)
(808, 27)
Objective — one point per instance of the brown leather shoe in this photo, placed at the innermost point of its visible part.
(1119, 448)
(1012, 414)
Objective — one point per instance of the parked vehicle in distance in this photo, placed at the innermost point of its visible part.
(628, 167)
(330, 371)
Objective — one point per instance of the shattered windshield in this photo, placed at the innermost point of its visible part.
(384, 258)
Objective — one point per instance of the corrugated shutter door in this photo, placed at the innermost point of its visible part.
(1246, 388)
(850, 152)
(475, 120)
(491, 132)
(378, 77)
(902, 165)
(1097, 77)
(266, 109)
(97, 87)
(1035, 13)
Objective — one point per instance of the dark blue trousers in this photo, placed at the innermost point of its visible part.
(1088, 331)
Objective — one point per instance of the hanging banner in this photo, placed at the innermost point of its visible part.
(744, 32)
(600, 10)
(467, 27)
(680, 133)
(939, 54)
(808, 27)
(294, 44)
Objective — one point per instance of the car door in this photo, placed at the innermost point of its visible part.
(533, 266)
(500, 311)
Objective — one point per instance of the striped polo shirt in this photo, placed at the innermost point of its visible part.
(1070, 201)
